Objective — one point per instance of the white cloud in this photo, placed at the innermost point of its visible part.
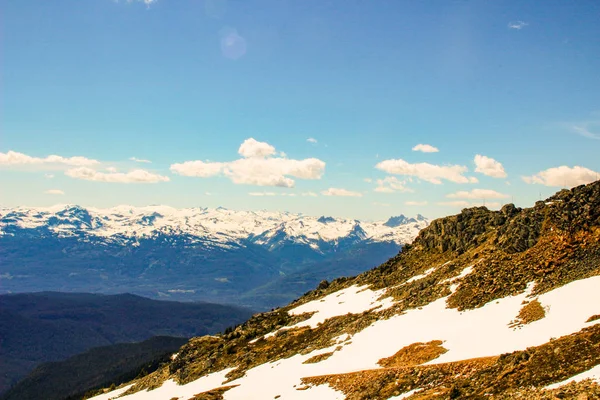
(425, 148)
(425, 171)
(14, 158)
(272, 194)
(488, 166)
(262, 194)
(391, 184)
(49, 176)
(254, 148)
(517, 25)
(54, 192)
(309, 194)
(259, 167)
(140, 160)
(146, 2)
(563, 176)
(478, 194)
(111, 169)
(312, 140)
(368, 180)
(585, 129)
(135, 176)
(340, 192)
(415, 203)
(198, 168)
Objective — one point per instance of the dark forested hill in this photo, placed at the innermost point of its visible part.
(49, 326)
(100, 366)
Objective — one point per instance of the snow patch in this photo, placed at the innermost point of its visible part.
(593, 374)
(170, 389)
(421, 276)
(352, 300)
(112, 394)
(404, 395)
(460, 276)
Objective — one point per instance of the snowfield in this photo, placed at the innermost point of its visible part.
(473, 333)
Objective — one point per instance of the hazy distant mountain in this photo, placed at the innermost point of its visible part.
(189, 254)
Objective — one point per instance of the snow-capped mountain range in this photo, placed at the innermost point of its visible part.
(259, 259)
(220, 226)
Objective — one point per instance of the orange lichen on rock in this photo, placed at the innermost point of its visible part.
(414, 354)
(532, 311)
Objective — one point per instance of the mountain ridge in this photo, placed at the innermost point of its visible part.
(215, 255)
(496, 290)
(220, 224)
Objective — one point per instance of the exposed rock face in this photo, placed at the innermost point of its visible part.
(516, 229)
(460, 232)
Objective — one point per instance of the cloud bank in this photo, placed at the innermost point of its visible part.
(340, 192)
(478, 194)
(427, 172)
(563, 176)
(135, 176)
(12, 158)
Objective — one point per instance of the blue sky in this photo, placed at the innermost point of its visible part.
(173, 82)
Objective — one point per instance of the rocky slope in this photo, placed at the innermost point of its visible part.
(216, 255)
(483, 304)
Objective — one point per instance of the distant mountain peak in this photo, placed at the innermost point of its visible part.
(402, 220)
(325, 220)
